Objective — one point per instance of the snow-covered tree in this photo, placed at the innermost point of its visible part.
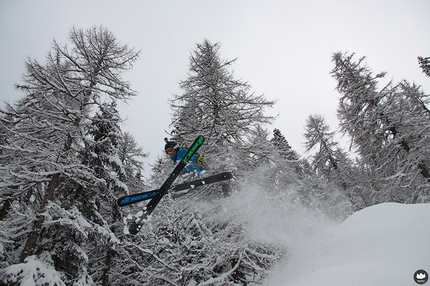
(329, 161)
(259, 149)
(191, 244)
(45, 135)
(326, 160)
(388, 127)
(283, 146)
(218, 106)
(281, 165)
(425, 65)
(130, 155)
(98, 203)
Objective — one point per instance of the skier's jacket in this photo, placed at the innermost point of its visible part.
(197, 162)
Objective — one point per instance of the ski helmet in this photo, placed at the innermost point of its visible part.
(170, 144)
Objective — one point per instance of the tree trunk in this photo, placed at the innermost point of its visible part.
(110, 253)
(5, 210)
(30, 244)
(226, 189)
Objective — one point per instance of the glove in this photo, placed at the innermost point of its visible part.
(201, 160)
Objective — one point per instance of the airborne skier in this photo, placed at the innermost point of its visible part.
(176, 153)
(180, 162)
(137, 223)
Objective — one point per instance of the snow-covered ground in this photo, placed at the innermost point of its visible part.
(381, 245)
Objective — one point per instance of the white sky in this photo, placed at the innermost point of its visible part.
(283, 47)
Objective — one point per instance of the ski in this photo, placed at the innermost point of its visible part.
(135, 198)
(204, 181)
(136, 225)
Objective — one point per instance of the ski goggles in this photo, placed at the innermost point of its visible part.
(170, 151)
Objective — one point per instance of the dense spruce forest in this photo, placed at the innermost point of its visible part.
(64, 161)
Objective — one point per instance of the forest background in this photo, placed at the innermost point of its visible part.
(283, 49)
(65, 161)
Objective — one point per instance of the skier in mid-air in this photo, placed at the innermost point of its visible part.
(176, 153)
(180, 158)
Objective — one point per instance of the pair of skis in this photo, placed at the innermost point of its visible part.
(156, 195)
(176, 190)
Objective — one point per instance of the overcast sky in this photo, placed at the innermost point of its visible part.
(284, 49)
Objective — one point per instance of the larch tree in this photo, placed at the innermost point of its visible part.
(389, 129)
(329, 161)
(409, 140)
(325, 161)
(215, 104)
(46, 129)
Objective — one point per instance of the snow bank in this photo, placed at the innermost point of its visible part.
(380, 245)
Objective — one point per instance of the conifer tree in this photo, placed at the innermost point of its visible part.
(218, 106)
(317, 134)
(330, 162)
(283, 146)
(130, 155)
(274, 162)
(258, 147)
(389, 127)
(46, 131)
(425, 65)
(98, 203)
